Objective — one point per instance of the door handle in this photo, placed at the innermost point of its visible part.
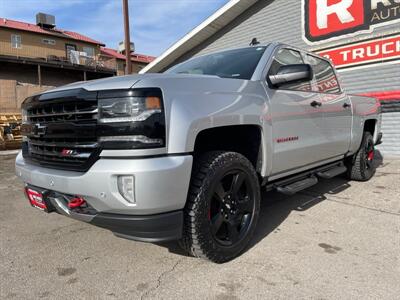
(346, 105)
(315, 104)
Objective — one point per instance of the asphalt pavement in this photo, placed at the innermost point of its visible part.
(336, 240)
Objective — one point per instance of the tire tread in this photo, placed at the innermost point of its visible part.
(356, 169)
(204, 167)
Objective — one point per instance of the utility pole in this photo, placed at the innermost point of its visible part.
(128, 69)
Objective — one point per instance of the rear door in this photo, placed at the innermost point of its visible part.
(336, 107)
(297, 133)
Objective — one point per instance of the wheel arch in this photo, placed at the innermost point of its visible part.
(246, 139)
(370, 126)
(360, 126)
(373, 126)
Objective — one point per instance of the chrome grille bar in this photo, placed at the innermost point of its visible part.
(63, 114)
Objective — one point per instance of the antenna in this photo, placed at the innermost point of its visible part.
(254, 42)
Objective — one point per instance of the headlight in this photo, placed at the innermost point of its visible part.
(130, 109)
(131, 119)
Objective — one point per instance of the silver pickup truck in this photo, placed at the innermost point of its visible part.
(183, 155)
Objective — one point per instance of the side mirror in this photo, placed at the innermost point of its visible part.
(292, 73)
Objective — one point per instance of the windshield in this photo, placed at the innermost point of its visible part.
(238, 63)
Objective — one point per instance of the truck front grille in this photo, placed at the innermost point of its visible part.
(62, 133)
(59, 112)
(66, 153)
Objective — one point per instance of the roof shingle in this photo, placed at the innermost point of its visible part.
(134, 56)
(55, 32)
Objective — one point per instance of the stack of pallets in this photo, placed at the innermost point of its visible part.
(10, 131)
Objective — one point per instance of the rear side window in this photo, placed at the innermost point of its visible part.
(325, 78)
(288, 57)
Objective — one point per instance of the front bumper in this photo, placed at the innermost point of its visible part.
(153, 228)
(161, 184)
(161, 187)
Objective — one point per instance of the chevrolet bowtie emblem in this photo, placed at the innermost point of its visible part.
(39, 130)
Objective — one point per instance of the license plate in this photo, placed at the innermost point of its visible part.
(36, 198)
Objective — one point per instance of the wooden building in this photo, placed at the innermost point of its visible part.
(36, 57)
(139, 61)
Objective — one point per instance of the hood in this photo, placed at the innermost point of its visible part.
(120, 82)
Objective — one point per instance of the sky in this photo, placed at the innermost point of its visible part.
(155, 24)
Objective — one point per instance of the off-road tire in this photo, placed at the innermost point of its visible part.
(198, 239)
(359, 168)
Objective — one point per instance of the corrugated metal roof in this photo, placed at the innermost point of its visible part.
(12, 24)
(211, 25)
(134, 56)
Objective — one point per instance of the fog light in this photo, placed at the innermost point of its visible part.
(126, 187)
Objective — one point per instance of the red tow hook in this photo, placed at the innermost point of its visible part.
(76, 202)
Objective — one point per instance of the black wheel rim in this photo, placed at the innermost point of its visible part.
(231, 208)
(369, 154)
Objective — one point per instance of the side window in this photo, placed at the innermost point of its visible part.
(288, 57)
(325, 78)
(16, 41)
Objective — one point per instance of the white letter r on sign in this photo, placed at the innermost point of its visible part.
(341, 9)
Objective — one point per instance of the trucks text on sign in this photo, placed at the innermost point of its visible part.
(367, 52)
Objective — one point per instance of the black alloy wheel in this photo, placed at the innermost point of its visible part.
(362, 165)
(231, 208)
(223, 206)
(369, 154)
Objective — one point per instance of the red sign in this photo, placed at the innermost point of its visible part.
(362, 53)
(333, 19)
(327, 17)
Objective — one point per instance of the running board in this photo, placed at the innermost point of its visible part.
(328, 174)
(297, 186)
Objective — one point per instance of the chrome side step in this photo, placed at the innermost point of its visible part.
(297, 186)
(328, 174)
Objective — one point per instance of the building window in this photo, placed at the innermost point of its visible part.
(16, 41)
(68, 49)
(48, 41)
(89, 51)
